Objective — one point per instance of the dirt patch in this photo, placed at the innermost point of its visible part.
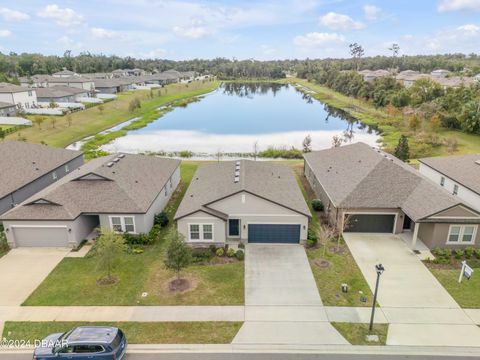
(109, 280)
(180, 286)
(222, 260)
(337, 250)
(322, 263)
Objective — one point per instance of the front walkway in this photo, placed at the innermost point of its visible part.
(23, 269)
(282, 305)
(420, 311)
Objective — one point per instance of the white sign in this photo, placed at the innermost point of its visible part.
(466, 271)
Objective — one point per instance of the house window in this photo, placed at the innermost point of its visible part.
(129, 224)
(116, 223)
(462, 234)
(171, 184)
(233, 227)
(67, 168)
(30, 93)
(123, 224)
(442, 181)
(54, 175)
(194, 232)
(166, 192)
(455, 189)
(207, 232)
(200, 232)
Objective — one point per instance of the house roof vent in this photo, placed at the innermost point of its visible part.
(237, 163)
(116, 160)
(477, 162)
(237, 173)
(121, 156)
(110, 164)
(237, 179)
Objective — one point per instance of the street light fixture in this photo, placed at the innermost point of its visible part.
(379, 269)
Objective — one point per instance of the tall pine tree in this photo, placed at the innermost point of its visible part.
(402, 150)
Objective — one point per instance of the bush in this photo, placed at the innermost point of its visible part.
(477, 253)
(137, 239)
(220, 252)
(161, 219)
(469, 252)
(212, 248)
(241, 245)
(317, 205)
(311, 243)
(230, 252)
(137, 251)
(201, 255)
(311, 238)
(240, 255)
(459, 254)
(154, 233)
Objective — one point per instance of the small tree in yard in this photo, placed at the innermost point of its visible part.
(101, 108)
(39, 120)
(69, 120)
(307, 144)
(179, 254)
(134, 104)
(402, 150)
(337, 141)
(2, 134)
(109, 248)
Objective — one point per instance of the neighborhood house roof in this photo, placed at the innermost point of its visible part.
(11, 88)
(464, 169)
(213, 182)
(22, 163)
(58, 92)
(358, 176)
(110, 184)
(64, 72)
(4, 105)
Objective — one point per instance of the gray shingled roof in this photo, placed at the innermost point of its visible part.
(21, 163)
(358, 176)
(58, 91)
(129, 186)
(213, 182)
(12, 88)
(6, 105)
(461, 168)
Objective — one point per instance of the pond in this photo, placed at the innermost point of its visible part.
(235, 117)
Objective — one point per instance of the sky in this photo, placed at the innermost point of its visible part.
(258, 29)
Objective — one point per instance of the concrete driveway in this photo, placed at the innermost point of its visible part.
(282, 304)
(23, 269)
(406, 282)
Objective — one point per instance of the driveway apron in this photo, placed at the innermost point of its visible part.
(282, 304)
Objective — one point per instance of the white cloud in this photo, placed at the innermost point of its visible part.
(153, 54)
(103, 33)
(13, 15)
(371, 12)
(456, 5)
(69, 44)
(62, 16)
(318, 39)
(337, 21)
(5, 33)
(191, 32)
(469, 29)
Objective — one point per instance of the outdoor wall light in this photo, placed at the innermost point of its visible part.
(244, 227)
(7, 229)
(69, 230)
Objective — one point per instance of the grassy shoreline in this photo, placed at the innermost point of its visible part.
(390, 126)
(60, 131)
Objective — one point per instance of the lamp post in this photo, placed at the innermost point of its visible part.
(380, 269)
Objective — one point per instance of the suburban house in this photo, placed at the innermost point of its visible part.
(366, 190)
(65, 73)
(29, 168)
(34, 81)
(459, 175)
(106, 86)
(72, 81)
(120, 192)
(246, 201)
(22, 97)
(7, 109)
(60, 94)
(369, 75)
(440, 73)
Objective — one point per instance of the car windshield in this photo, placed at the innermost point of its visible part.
(118, 339)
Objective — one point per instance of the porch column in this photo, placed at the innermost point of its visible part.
(415, 235)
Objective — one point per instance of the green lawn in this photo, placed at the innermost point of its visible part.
(356, 333)
(466, 293)
(73, 281)
(391, 126)
(341, 267)
(93, 120)
(136, 332)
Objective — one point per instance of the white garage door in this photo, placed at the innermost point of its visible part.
(40, 236)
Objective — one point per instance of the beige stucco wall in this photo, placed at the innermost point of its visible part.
(251, 209)
(219, 230)
(436, 235)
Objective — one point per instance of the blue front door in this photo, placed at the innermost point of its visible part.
(274, 233)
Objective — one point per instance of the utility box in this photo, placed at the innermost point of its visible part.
(344, 288)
